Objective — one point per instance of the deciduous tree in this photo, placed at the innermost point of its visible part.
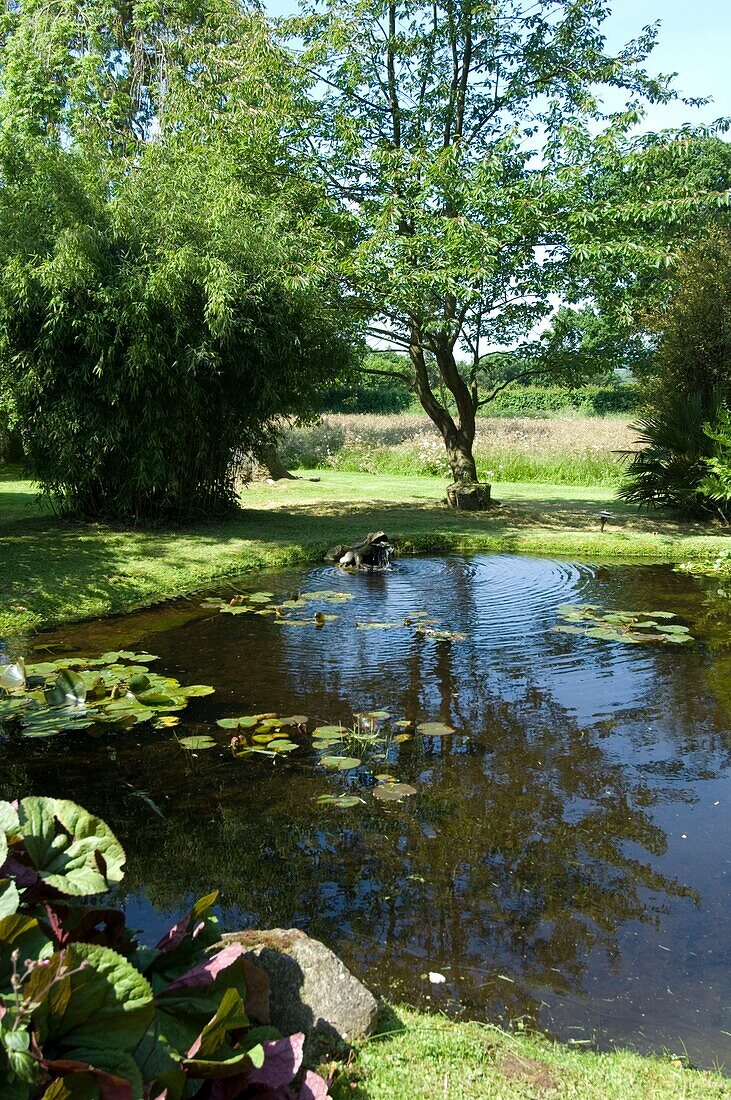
(468, 140)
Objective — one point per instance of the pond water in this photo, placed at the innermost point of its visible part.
(565, 859)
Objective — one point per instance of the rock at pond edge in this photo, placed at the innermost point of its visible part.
(311, 990)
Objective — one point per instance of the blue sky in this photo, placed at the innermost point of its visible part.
(695, 42)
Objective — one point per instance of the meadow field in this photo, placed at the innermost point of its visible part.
(569, 450)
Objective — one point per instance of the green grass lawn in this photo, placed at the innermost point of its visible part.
(54, 571)
(422, 1057)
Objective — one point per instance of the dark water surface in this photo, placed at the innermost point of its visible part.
(566, 859)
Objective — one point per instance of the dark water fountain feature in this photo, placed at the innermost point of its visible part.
(565, 858)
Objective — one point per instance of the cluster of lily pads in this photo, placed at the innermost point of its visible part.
(285, 612)
(418, 622)
(373, 736)
(117, 689)
(634, 627)
(290, 612)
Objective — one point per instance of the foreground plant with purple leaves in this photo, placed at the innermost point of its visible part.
(87, 1013)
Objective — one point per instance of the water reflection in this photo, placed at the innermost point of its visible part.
(564, 860)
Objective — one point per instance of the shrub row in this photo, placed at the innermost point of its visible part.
(394, 397)
(589, 400)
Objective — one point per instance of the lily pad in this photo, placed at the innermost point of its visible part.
(282, 745)
(327, 595)
(69, 688)
(248, 721)
(202, 742)
(329, 731)
(441, 635)
(49, 721)
(434, 729)
(632, 627)
(343, 801)
(393, 792)
(340, 763)
(379, 626)
(166, 721)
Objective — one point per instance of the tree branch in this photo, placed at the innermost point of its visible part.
(389, 374)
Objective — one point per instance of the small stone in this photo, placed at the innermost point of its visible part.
(311, 990)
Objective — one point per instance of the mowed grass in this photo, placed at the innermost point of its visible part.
(567, 450)
(54, 571)
(422, 1057)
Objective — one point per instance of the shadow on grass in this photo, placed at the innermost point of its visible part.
(56, 570)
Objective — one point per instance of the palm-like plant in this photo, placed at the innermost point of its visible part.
(670, 468)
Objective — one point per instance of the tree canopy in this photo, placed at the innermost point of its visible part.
(470, 144)
(167, 284)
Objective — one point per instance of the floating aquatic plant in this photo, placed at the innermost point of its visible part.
(263, 603)
(388, 790)
(73, 693)
(633, 627)
(418, 625)
(343, 801)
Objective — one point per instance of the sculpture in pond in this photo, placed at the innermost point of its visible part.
(373, 553)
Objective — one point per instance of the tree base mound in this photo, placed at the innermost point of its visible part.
(469, 496)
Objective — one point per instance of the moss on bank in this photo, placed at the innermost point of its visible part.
(421, 1057)
(55, 571)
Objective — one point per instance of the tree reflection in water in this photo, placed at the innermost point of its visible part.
(534, 846)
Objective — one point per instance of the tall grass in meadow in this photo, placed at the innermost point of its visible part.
(564, 451)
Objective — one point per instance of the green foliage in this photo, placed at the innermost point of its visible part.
(692, 325)
(469, 143)
(668, 469)
(539, 400)
(87, 1013)
(116, 690)
(585, 344)
(716, 485)
(162, 301)
(686, 431)
(384, 392)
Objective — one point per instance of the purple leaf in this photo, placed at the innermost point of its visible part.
(110, 1086)
(314, 1087)
(175, 935)
(282, 1059)
(206, 972)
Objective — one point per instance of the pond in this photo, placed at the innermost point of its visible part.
(564, 861)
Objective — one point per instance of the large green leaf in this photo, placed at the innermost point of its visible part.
(90, 997)
(230, 1015)
(159, 1061)
(69, 688)
(9, 897)
(70, 848)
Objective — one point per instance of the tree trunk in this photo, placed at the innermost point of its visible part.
(460, 457)
(273, 463)
(459, 434)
